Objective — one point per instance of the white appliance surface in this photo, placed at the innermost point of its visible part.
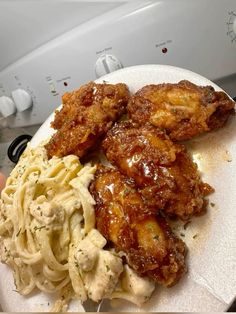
(212, 255)
(197, 35)
(25, 25)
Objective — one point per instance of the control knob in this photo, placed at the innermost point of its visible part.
(107, 63)
(232, 26)
(22, 99)
(7, 106)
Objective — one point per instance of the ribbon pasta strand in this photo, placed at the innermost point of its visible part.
(48, 235)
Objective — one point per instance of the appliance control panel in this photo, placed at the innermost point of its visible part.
(179, 33)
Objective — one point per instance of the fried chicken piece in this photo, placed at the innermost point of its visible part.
(184, 110)
(85, 117)
(163, 172)
(123, 218)
(72, 102)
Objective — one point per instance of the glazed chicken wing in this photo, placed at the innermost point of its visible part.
(184, 110)
(125, 220)
(163, 172)
(85, 117)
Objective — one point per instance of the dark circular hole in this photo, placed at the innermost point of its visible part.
(65, 84)
(164, 50)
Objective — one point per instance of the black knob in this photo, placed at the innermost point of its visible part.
(17, 147)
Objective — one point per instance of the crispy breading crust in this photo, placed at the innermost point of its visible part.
(163, 172)
(85, 117)
(184, 110)
(125, 220)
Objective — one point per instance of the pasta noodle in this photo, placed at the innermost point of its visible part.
(48, 235)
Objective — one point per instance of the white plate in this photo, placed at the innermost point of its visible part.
(211, 280)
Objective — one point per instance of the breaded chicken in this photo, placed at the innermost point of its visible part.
(184, 110)
(85, 117)
(163, 172)
(123, 218)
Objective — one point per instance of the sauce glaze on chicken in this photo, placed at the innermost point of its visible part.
(184, 109)
(125, 220)
(87, 114)
(164, 173)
